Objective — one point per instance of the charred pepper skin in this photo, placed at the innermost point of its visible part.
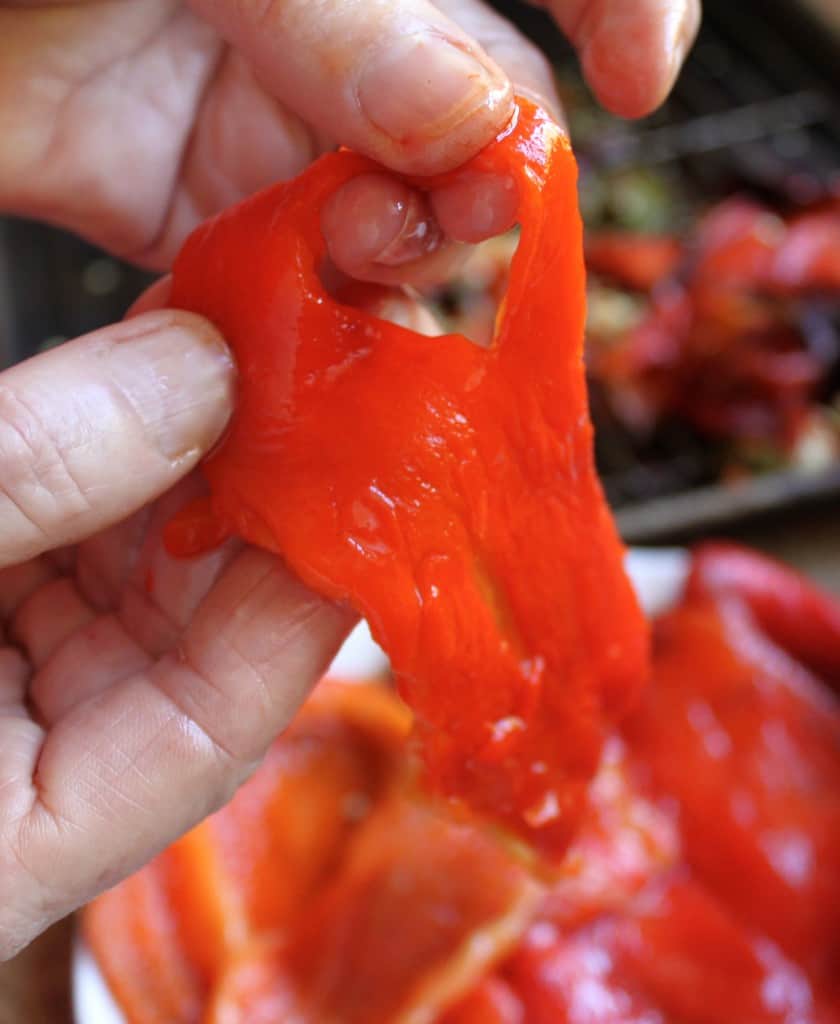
(447, 492)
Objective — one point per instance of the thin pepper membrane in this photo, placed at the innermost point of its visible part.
(446, 491)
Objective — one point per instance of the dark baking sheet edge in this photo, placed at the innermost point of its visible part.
(709, 509)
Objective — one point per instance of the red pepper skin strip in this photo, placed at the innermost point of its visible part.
(789, 609)
(132, 931)
(447, 492)
(420, 908)
(675, 955)
(491, 1002)
(746, 744)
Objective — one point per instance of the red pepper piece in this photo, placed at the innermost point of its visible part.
(736, 243)
(639, 261)
(676, 955)
(419, 909)
(624, 842)
(165, 936)
(447, 491)
(745, 742)
(132, 932)
(491, 1002)
(625, 846)
(253, 990)
(717, 348)
(796, 614)
(808, 259)
(252, 867)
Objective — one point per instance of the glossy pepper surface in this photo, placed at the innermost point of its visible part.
(329, 890)
(446, 491)
(740, 731)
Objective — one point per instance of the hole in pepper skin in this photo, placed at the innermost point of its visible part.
(469, 303)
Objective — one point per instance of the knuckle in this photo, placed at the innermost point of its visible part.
(37, 486)
(304, 19)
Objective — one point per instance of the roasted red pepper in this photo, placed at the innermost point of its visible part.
(325, 889)
(721, 345)
(674, 955)
(446, 491)
(799, 617)
(639, 262)
(744, 740)
(328, 891)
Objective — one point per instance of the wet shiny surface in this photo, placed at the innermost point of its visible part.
(700, 889)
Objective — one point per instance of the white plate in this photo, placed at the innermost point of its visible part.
(658, 576)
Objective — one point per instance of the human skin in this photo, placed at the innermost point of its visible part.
(136, 691)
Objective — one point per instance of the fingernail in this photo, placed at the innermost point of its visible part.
(476, 208)
(424, 86)
(178, 375)
(377, 219)
(418, 235)
(681, 31)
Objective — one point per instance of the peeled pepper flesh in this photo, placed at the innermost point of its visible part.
(446, 491)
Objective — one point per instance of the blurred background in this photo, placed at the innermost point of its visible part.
(713, 236)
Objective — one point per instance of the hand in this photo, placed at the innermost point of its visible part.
(136, 692)
(129, 121)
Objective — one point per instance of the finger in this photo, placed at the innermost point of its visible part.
(48, 617)
(161, 594)
(105, 561)
(176, 587)
(96, 656)
(19, 581)
(129, 770)
(476, 207)
(91, 431)
(203, 132)
(152, 598)
(395, 79)
(97, 103)
(376, 224)
(378, 229)
(524, 63)
(242, 141)
(631, 50)
(15, 671)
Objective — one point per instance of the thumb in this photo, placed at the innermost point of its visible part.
(395, 79)
(92, 431)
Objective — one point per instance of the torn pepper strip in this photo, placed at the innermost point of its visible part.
(447, 492)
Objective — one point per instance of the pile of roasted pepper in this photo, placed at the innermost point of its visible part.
(703, 886)
(730, 331)
(733, 333)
